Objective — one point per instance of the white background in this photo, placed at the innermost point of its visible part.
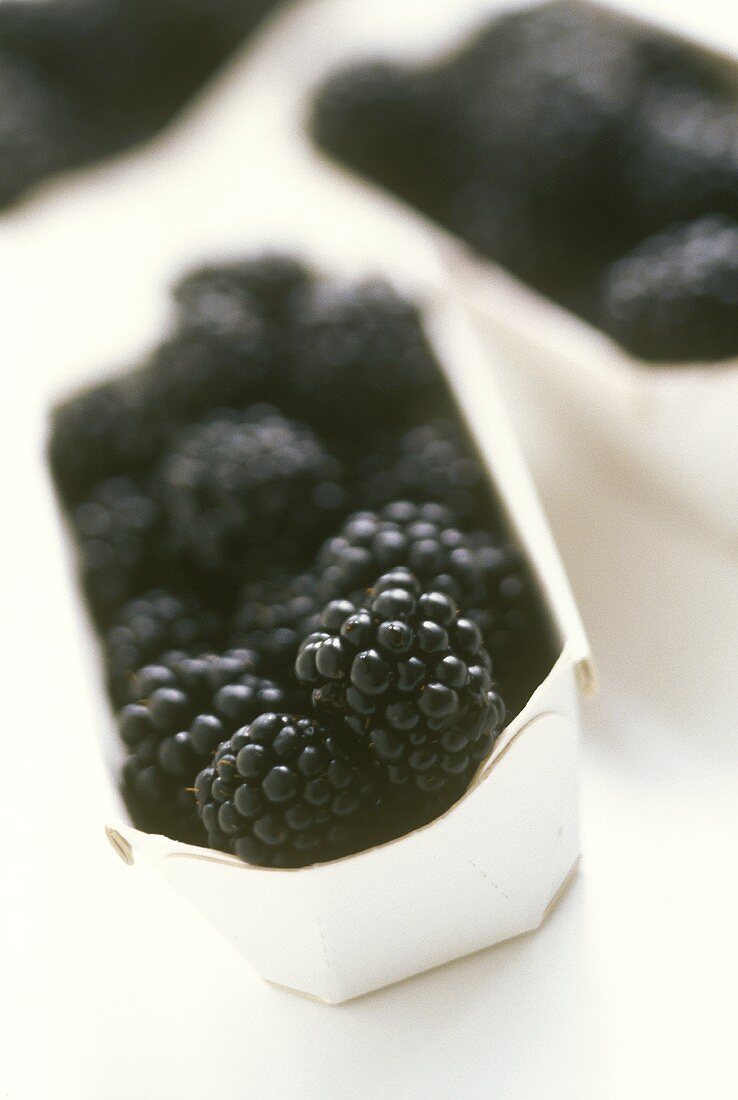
(114, 989)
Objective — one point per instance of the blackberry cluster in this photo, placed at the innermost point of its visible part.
(285, 791)
(114, 530)
(246, 486)
(675, 297)
(421, 537)
(149, 627)
(554, 141)
(200, 517)
(431, 461)
(361, 356)
(84, 78)
(185, 709)
(274, 614)
(411, 675)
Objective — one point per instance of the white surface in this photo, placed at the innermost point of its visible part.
(115, 990)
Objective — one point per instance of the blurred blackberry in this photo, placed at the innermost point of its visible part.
(675, 297)
(681, 159)
(430, 462)
(248, 487)
(35, 129)
(286, 792)
(150, 626)
(185, 710)
(420, 537)
(361, 358)
(376, 117)
(268, 284)
(107, 429)
(274, 614)
(410, 675)
(115, 529)
(120, 69)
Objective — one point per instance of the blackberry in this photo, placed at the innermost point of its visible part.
(361, 358)
(250, 486)
(268, 284)
(113, 71)
(681, 159)
(286, 792)
(104, 430)
(185, 709)
(432, 461)
(377, 117)
(150, 626)
(114, 529)
(420, 537)
(274, 614)
(34, 129)
(675, 297)
(227, 351)
(411, 675)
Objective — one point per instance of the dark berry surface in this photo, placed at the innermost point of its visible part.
(285, 791)
(348, 527)
(185, 709)
(414, 679)
(553, 141)
(244, 487)
(115, 529)
(675, 296)
(81, 79)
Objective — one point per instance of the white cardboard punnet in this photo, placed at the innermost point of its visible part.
(675, 423)
(492, 865)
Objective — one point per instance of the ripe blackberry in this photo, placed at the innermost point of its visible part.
(245, 487)
(226, 351)
(681, 159)
(377, 117)
(410, 675)
(104, 430)
(432, 461)
(675, 297)
(361, 357)
(117, 69)
(268, 284)
(114, 528)
(274, 614)
(286, 792)
(150, 626)
(421, 537)
(35, 135)
(184, 711)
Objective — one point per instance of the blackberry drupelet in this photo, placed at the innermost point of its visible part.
(274, 614)
(432, 461)
(411, 676)
(185, 709)
(115, 528)
(675, 297)
(421, 537)
(248, 488)
(150, 626)
(286, 792)
(361, 358)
